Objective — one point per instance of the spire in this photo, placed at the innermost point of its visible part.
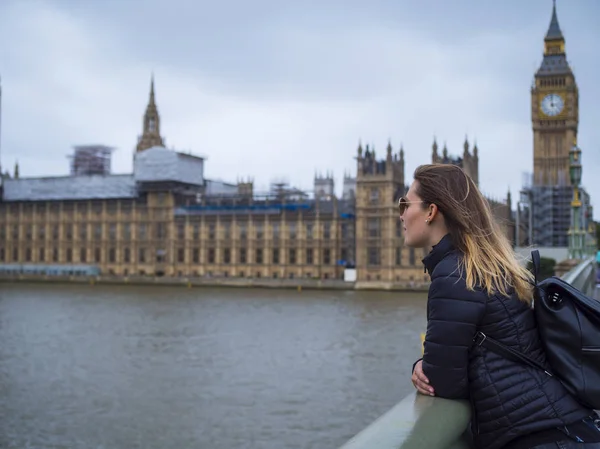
(151, 102)
(466, 145)
(16, 174)
(360, 149)
(402, 153)
(554, 32)
(151, 124)
(475, 150)
(434, 152)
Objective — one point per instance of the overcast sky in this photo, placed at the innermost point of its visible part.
(278, 89)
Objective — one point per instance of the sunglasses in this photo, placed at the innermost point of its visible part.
(403, 204)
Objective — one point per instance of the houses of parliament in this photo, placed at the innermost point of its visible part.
(167, 219)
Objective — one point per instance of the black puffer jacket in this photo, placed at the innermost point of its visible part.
(509, 399)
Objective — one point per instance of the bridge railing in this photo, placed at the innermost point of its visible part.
(583, 276)
(420, 421)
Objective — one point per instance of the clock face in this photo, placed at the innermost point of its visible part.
(552, 104)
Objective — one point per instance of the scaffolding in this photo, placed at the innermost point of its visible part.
(547, 215)
(91, 160)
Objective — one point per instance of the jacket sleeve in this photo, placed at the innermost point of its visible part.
(453, 316)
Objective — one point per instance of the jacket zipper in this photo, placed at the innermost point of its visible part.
(593, 349)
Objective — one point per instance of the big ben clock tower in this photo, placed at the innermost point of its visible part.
(554, 111)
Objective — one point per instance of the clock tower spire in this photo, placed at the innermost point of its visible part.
(554, 111)
(151, 124)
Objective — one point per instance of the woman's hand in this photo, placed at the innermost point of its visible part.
(420, 381)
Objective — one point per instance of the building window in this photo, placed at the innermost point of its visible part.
(127, 231)
(82, 255)
(226, 255)
(2, 254)
(97, 255)
(227, 231)
(112, 255)
(42, 255)
(15, 233)
(55, 255)
(69, 232)
(142, 255)
(398, 228)
(69, 255)
(243, 231)
(28, 255)
(326, 256)
(309, 256)
(42, 232)
(344, 255)
(98, 231)
(326, 231)
(112, 231)
(196, 232)
(211, 231)
(29, 232)
(180, 255)
(374, 195)
(196, 255)
(275, 255)
(83, 232)
(309, 231)
(275, 229)
(2, 232)
(160, 231)
(373, 256)
(180, 231)
(142, 231)
(126, 255)
(373, 230)
(242, 255)
(211, 255)
(292, 256)
(411, 256)
(259, 255)
(55, 232)
(344, 230)
(259, 231)
(292, 230)
(399, 256)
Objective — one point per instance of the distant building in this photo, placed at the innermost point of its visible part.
(545, 216)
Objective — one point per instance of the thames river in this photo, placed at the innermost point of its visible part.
(96, 367)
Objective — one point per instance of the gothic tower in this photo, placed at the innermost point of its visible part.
(469, 161)
(554, 111)
(379, 241)
(151, 134)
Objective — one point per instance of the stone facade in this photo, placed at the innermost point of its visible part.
(166, 219)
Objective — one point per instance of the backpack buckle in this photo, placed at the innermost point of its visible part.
(479, 338)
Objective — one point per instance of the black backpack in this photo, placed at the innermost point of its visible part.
(569, 326)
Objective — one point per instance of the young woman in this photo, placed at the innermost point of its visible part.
(477, 284)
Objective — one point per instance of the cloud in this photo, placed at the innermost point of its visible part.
(274, 89)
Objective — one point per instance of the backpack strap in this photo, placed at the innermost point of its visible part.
(535, 259)
(495, 346)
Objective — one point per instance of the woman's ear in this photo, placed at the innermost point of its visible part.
(433, 212)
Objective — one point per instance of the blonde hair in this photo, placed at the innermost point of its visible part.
(488, 261)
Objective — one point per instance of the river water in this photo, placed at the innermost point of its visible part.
(97, 367)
